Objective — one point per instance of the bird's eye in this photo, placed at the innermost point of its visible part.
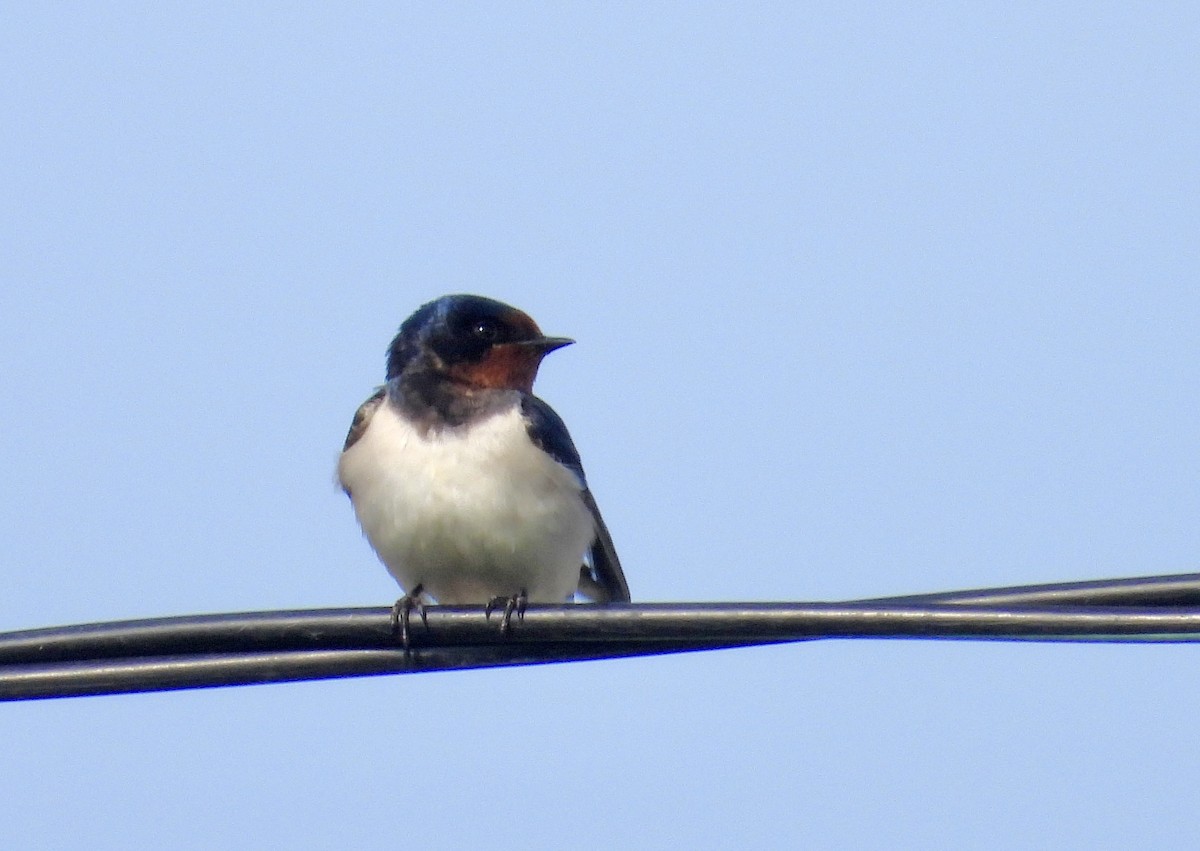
(485, 330)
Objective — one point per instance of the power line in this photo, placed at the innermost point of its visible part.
(238, 649)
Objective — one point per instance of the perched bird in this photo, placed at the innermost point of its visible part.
(468, 486)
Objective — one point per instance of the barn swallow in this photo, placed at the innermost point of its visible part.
(468, 486)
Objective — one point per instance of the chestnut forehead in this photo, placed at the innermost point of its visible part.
(518, 321)
(521, 321)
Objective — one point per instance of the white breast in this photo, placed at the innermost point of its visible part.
(468, 513)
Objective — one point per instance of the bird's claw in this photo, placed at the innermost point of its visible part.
(402, 615)
(515, 603)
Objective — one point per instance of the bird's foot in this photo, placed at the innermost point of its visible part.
(402, 615)
(512, 604)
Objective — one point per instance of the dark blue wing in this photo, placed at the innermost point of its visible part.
(362, 418)
(603, 580)
(549, 433)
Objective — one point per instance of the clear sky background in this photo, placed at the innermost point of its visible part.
(869, 300)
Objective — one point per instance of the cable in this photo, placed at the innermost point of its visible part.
(235, 649)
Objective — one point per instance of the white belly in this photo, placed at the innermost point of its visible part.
(468, 520)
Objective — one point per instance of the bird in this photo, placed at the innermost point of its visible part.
(467, 486)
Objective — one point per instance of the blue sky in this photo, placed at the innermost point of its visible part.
(870, 300)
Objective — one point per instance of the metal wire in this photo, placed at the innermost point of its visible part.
(237, 649)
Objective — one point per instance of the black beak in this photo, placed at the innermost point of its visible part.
(546, 345)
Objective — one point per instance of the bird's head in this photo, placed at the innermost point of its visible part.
(474, 341)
